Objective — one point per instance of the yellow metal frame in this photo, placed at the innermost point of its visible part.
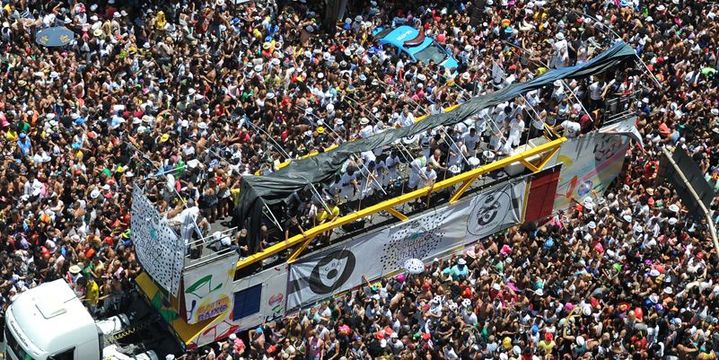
(397, 214)
(466, 179)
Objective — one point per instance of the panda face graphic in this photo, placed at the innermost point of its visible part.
(332, 271)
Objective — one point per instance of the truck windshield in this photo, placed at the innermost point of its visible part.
(17, 351)
(432, 52)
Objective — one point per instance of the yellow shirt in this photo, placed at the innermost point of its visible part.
(11, 135)
(546, 346)
(93, 293)
(323, 216)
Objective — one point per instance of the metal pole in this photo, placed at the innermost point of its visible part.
(707, 214)
(274, 219)
(318, 194)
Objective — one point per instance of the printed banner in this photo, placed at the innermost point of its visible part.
(590, 164)
(495, 209)
(342, 267)
(159, 250)
(436, 232)
(207, 288)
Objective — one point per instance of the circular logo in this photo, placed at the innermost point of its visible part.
(332, 271)
(488, 210)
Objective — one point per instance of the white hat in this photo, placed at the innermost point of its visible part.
(661, 7)
(202, 125)
(560, 36)
(557, 83)
(580, 341)
(673, 220)
(674, 208)
(364, 121)
(75, 269)
(592, 225)
(94, 193)
(654, 273)
(589, 204)
(461, 261)
(638, 228)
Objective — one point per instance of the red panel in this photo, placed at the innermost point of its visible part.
(540, 202)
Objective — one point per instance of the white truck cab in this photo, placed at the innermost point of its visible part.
(49, 322)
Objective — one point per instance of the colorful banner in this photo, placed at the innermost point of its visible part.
(159, 250)
(589, 164)
(271, 298)
(207, 288)
(431, 234)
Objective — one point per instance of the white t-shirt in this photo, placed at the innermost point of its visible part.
(595, 91)
(470, 141)
(571, 128)
(366, 131)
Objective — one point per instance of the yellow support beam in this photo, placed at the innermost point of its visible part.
(547, 158)
(529, 165)
(457, 194)
(397, 214)
(299, 250)
(391, 203)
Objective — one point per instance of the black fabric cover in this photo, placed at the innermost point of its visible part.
(279, 185)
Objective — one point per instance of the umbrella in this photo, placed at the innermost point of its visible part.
(414, 266)
(54, 36)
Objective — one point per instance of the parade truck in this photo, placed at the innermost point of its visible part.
(49, 322)
(200, 289)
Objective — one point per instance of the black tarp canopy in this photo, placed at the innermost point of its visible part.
(256, 191)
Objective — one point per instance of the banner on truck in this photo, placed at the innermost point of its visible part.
(377, 254)
(159, 250)
(207, 288)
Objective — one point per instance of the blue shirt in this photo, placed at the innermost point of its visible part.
(24, 145)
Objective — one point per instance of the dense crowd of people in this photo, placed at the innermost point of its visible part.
(206, 91)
